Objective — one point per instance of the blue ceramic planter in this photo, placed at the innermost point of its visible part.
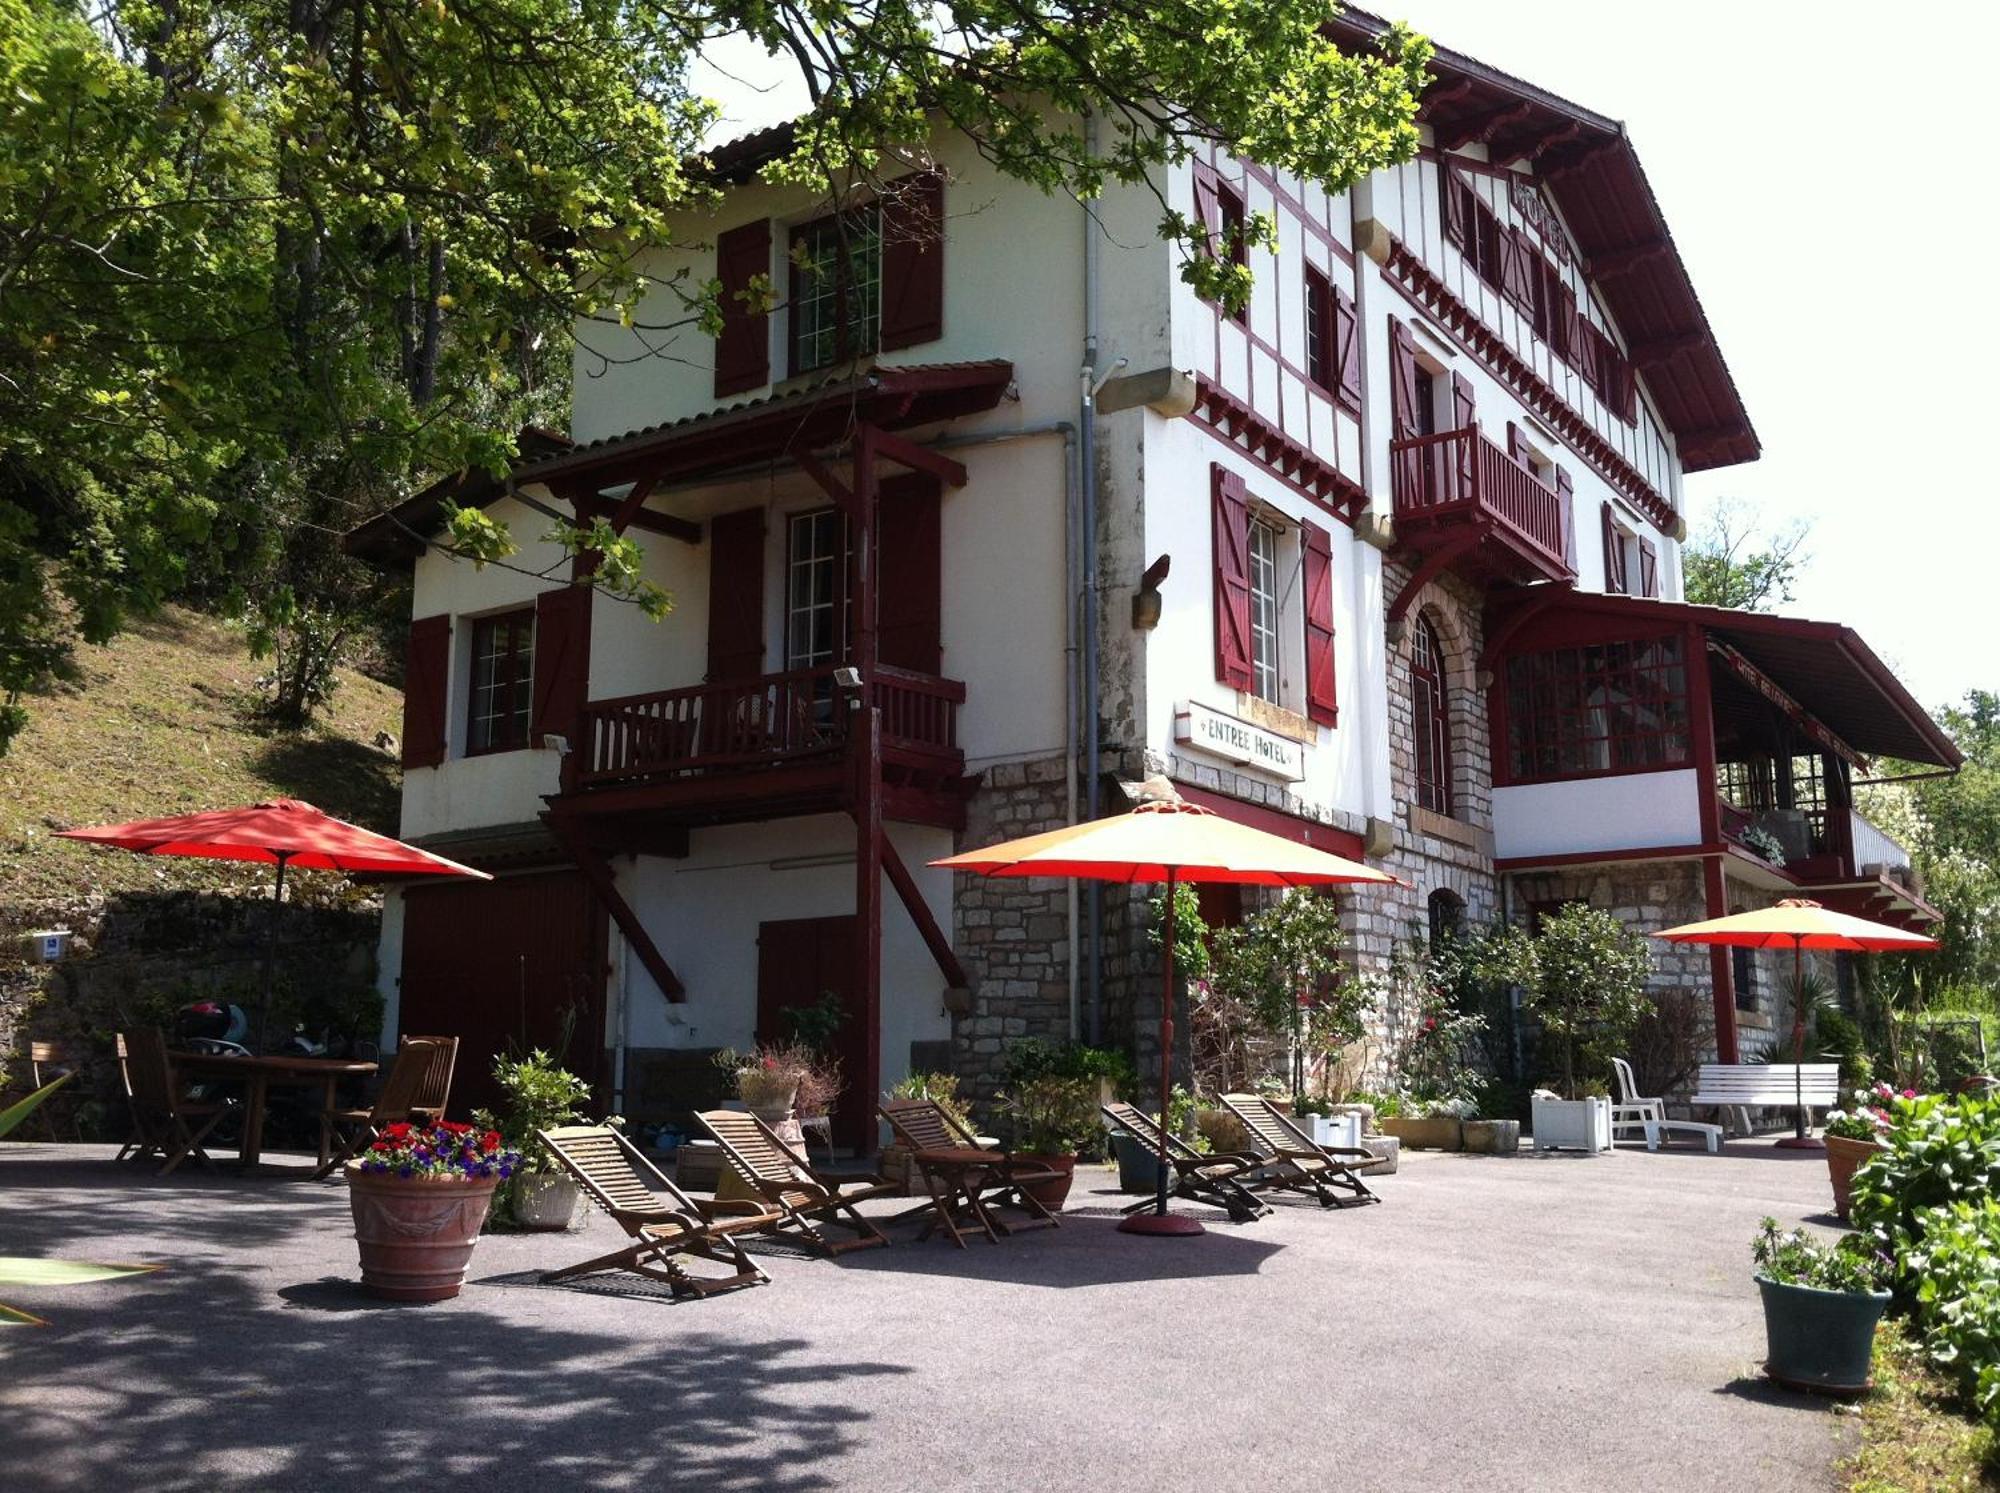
(1820, 1340)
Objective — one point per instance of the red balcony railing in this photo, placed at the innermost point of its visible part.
(1459, 475)
(739, 725)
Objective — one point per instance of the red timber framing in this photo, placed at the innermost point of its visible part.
(1230, 420)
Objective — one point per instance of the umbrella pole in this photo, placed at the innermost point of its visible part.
(1798, 1140)
(1160, 1221)
(271, 949)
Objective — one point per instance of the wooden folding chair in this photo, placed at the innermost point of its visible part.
(1292, 1163)
(435, 1090)
(663, 1221)
(785, 1180)
(356, 1129)
(135, 1147)
(1212, 1178)
(966, 1181)
(162, 1116)
(48, 1062)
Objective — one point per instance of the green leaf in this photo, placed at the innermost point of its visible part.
(15, 1113)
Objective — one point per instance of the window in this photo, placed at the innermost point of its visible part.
(836, 300)
(1447, 912)
(1744, 967)
(816, 621)
(1431, 715)
(1229, 210)
(1599, 708)
(503, 682)
(1264, 647)
(1319, 329)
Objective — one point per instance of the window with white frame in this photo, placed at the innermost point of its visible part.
(503, 682)
(836, 300)
(815, 589)
(1266, 655)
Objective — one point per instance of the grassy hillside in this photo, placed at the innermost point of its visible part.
(165, 722)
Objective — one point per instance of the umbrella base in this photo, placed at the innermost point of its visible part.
(1800, 1143)
(1161, 1223)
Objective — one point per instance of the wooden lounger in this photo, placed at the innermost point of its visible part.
(786, 1181)
(664, 1222)
(1293, 1163)
(1215, 1179)
(966, 1181)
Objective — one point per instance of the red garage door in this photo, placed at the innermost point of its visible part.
(502, 965)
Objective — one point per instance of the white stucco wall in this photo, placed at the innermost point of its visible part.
(1630, 811)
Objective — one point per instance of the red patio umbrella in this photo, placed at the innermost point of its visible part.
(284, 832)
(1166, 840)
(1799, 923)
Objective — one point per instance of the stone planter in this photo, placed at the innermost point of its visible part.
(1053, 1193)
(1429, 1133)
(1492, 1137)
(1571, 1124)
(1138, 1163)
(896, 1167)
(1388, 1147)
(416, 1233)
(1844, 1157)
(546, 1200)
(1819, 1340)
(784, 1123)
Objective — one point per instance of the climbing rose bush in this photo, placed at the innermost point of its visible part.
(444, 1149)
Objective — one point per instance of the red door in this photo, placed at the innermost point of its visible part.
(504, 966)
(799, 960)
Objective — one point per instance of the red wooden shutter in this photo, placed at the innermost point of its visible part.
(1614, 556)
(1321, 702)
(743, 349)
(426, 680)
(736, 595)
(1463, 417)
(1565, 489)
(1208, 202)
(1562, 322)
(1517, 445)
(1346, 349)
(1507, 244)
(1231, 511)
(1458, 207)
(913, 261)
(1649, 568)
(909, 610)
(562, 662)
(1405, 381)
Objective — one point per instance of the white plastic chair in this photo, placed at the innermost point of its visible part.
(1632, 1110)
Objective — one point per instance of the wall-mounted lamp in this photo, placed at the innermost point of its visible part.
(1146, 603)
(847, 677)
(557, 744)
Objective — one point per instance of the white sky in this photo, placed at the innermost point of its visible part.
(1826, 175)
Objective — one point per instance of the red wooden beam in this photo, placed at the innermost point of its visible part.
(869, 841)
(1432, 565)
(919, 458)
(628, 508)
(832, 486)
(1482, 126)
(597, 872)
(1627, 257)
(920, 914)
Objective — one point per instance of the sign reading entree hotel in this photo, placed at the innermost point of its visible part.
(1220, 735)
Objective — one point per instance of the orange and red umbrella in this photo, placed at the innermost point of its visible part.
(283, 832)
(1169, 842)
(1798, 924)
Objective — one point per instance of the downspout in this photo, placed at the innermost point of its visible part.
(1361, 204)
(624, 973)
(1087, 595)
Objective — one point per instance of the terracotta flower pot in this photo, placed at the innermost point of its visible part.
(416, 1233)
(1054, 1192)
(1844, 1157)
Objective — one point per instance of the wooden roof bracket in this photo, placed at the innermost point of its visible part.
(604, 885)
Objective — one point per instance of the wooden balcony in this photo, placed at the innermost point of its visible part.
(765, 748)
(1462, 501)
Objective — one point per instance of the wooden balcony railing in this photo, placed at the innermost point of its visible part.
(745, 724)
(1459, 475)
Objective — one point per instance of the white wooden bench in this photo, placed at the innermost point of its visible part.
(1742, 1087)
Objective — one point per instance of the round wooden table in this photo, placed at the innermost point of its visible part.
(257, 1074)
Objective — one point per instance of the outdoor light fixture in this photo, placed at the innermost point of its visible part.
(848, 677)
(557, 744)
(1146, 603)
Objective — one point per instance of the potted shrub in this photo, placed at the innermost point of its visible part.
(1053, 1119)
(782, 1081)
(1428, 1125)
(419, 1196)
(1561, 1124)
(1821, 1304)
(1853, 1136)
(539, 1095)
(1583, 978)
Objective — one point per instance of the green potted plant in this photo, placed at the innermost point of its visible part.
(1583, 979)
(1854, 1136)
(1052, 1119)
(1821, 1304)
(419, 1196)
(538, 1094)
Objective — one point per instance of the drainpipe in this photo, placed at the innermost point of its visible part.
(1087, 598)
(1361, 204)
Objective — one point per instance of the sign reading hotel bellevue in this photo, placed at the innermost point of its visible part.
(1206, 730)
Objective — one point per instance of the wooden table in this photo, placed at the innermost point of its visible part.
(258, 1074)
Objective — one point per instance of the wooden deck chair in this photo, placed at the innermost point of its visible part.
(169, 1126)
(664, 1222)
(1292, 1163)
(356, 1129)
(48, 1062)
(785, 1180)
(135, 1147)
(435, 1091)
(965, 1180)
(1213, 1178)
